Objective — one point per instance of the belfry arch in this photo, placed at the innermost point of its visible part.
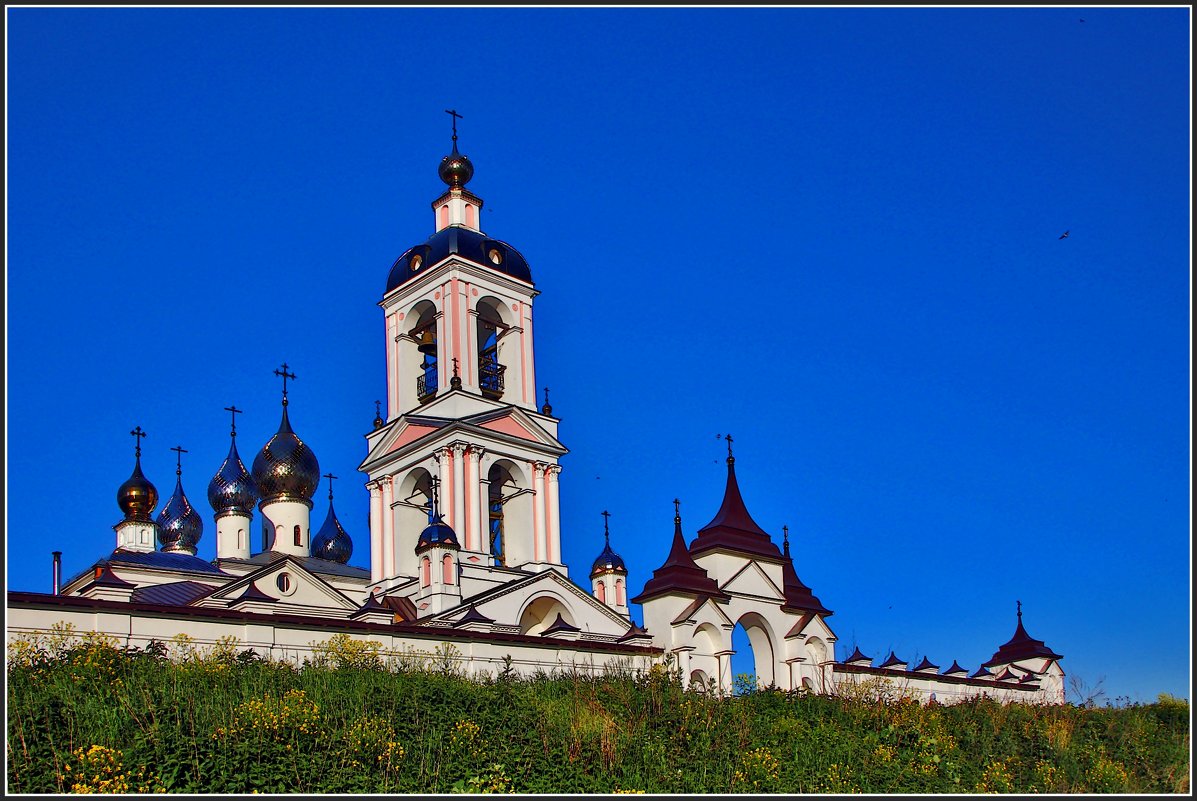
(497, 372)
(413, 505)
(761, 640)
(508, 538)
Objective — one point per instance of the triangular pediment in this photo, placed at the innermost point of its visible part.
(514, 422)
(704, 610)
(305, 591)
(751, 580)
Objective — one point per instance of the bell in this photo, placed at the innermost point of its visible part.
(427, 344)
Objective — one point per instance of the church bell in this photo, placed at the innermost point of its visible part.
(427, 343)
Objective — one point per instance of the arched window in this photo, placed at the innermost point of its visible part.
(240, 538)
(600, 592)
(447, 569)
(298, 536)
(490, 329)
(444, 217)
(499, 478)
(470, 216)
(425, 572)
(619, 601)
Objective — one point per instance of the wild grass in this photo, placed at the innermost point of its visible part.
(84, 716)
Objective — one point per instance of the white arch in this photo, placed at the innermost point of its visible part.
(541, 610)
(412, 490)
(761, 638)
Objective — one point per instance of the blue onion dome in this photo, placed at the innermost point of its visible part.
(232, 489)
(286, 468)
(179, 525)
(137, 497)
(608, 561)
(437, 533)
(455, 169)
(332, 542)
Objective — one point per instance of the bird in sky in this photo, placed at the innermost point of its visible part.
(1064, 235)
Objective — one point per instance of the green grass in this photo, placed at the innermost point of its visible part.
(216, 723)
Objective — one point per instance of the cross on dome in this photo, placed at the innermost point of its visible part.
(285, 376)
(137, 432)
(234, 412)
(178, 449)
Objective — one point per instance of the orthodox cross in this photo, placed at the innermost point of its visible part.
(330, 478)
(453, 113)
(137, 432)
(179, 463)
(546, 396)
(785, 538)
(455, 366)
(606, 535)
(728, 437)
(1019, 609)
(436, 482)
(285, 376)
(235, 411)
(677, 509)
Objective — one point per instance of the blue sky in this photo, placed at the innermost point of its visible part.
(832, 233)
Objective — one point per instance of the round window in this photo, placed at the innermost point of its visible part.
(416, 261)
(285, 585)
(495, 256)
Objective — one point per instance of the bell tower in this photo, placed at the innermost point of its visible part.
(461, 401)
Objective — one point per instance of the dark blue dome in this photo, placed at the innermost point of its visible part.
(286, 468)
(331, 542)
(464, 243)
(437, 533)
(608, 562)
(232, 489)
(179, 525)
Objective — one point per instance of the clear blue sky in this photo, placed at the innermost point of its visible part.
(830, 232)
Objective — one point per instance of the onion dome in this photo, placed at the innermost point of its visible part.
(437, 532)
(179, 525)
(331, 542)
(286, 468)
(680, 574)
(137, 497)
(472, 246)
(608, 561)
(232, 489)
(1021, 646)
(455, 169)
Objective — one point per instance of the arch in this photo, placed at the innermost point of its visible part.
(412, 513)
(419, 377)
(298, 537)
(620, 596)
(698, 681)
(425, 572)
(240, 539)
(540, 612)
(447, 569)
(708, 643)
(492, 324)
(443, 217)
(760, 643)
(600, 592)
(816, 656)
(807, 684)
(509, 501)
(470, 215)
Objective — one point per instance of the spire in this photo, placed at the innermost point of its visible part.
(1021, 646)
(179, 525)
(733, 528)
(797, 594)
(679, 574)
(332, 542)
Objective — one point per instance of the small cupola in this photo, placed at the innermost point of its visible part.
(137, 497)
(437, 532)
(286, 468)
(332, 542)
(232, 489)
(608, 561)
(179, 525)
(458, 206)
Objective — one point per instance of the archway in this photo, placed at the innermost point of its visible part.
(707, 642)
(413, 509)
(542, 613)
(509, 514)
(753, 663)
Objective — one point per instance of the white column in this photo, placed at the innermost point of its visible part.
(538, 538)
(483, 511)
(469, 370)
(458, 521)
(392, 323)
(554, 504)
(388, 527)
(529, 356)
(474, 526)
(444, 359)
(376, 523)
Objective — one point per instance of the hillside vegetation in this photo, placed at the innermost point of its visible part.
(84, 716)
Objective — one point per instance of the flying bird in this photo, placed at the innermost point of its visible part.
(1064, 235)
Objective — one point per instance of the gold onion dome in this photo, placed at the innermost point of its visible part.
(286, 468)
(455, 169)
(232, 489)
(332, 542)
(137, 497)
(179, 525)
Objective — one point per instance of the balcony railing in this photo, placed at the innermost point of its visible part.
(426, 385)
(490, 378)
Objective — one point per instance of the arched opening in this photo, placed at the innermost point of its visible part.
(425, 572)
(509, 507)
(698, 681)
(298, 537)
(816, 657)
(542, 613)
(470, 218)
(413, 512)
(491, 329)
(600, 592)
(423, 334)
(707, 641)
(807, 685)
(443, 217)
(447, 569)
(753, 660)
(240, 538)
(619, 593)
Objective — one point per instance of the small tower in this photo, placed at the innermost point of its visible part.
(332, 542)
(437, 552)
(179, 525)
(232, 494)
(286, 474)
(609, 575)
(137, 498)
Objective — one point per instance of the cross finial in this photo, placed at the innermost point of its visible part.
(677, 510)
(453, 113)
(234, 412)
(436, 482)
(785, 539)
(455, 366)
(546, 409)
(285, 376)
(179, 462)
(606, 534)
(1019, 610)
(727, 437)
(137, 432)
(330, 478)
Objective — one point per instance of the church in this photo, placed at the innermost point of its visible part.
(462, 469)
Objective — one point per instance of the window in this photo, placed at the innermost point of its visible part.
(600, 592)
(447, 569)
(298, 537)
(425, 572)
(284, 584)
(240, 538)
(619, 592)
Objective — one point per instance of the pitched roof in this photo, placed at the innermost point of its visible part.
(925, 665)
(558, 625)
(733, 527)
(176, 593)
(955, 668)
(891, 660)
(1021, 646)
(679, 574)
(857, 656)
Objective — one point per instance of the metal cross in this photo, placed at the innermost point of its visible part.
(606, 536)
(436, 482)
(330, 478)
(235, 411)
(285, 376)
(546, 396)
(729, 444)
(1019, 609)
(179, 463)
(454, 365)
(677, 509)
(378, 408)
(453, 113)
(785, 534)
(137, 432)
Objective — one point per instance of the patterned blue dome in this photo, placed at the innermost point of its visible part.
(331, 542)
(608, 562)
(179, 525)
(437, 533)
(286, 468)
(232, 489)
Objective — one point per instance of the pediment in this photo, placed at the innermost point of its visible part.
(752, 580)
(304, 589)
(704, 610)
(514, 422)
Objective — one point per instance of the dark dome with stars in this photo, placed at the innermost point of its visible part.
(465, 243)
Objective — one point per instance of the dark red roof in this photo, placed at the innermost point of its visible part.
(798, 595)
(558, 625)
(857, 656)
(733, 528)
(955, 668)
(1021, 646)
(679, 574)
(892, 660)
(925, 665)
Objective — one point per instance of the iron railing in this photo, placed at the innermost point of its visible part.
(490, 378)
(426, 385)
